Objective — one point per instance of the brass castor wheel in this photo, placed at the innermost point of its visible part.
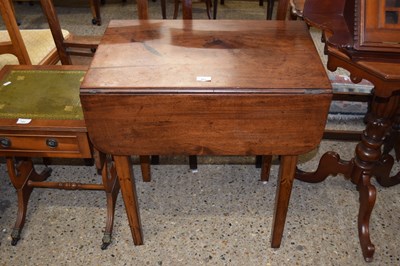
(106, 241)
(16, 236)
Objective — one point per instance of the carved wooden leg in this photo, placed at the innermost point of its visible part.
(125, 176)
(392, 141)
(382, 172)
(266, 167)
(19, 175)
(111, 186)
(368, 154)
(329, 164)
(363, 166)
(367, 202)
(283, 191)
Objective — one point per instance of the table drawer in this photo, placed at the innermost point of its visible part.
(69, 145)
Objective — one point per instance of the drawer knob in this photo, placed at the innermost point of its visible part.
(5, 142)
(52, 143)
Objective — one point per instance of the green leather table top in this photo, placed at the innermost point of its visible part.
(41, 94)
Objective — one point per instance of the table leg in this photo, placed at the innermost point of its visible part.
(20, 173)
(145, 167)
(187, 9)
(265, 167)
(282, 10)
(123, 165)
(283, 191)
(111, 187)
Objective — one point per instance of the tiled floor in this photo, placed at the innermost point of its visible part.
(221, 215)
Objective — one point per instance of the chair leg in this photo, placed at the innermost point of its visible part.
(270, 8)
(261, 2)
(163, 9)
(176, 9)
(193, 162)
(215, 9)
(208, 8)
(95, 8)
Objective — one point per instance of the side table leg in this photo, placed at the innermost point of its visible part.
(111, 187)
(283, 190)
(19, 176)
(123, 165)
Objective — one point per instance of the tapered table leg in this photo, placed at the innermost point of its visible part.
(283, 191)
(123, 165)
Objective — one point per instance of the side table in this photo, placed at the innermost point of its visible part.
(41, 116)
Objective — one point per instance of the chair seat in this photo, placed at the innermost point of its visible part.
(39, 54)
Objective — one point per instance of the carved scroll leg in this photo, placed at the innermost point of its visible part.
(111, 186)
(392, 140)
(266, 167)
(329, 164)
(128, 189)
(382, 172)
(282, 197)
(19, 176)
(367, 202)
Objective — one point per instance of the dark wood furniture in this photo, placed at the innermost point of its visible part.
(270, 7)
(73, 45)
(225, 108)
(65, 47)
(364, 38)
(41, 117)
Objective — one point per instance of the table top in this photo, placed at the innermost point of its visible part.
(183, 56)
(46, 95)
(264, 89)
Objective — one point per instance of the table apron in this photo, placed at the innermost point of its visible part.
(243, 124)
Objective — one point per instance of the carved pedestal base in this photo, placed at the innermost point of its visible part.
(331, 164)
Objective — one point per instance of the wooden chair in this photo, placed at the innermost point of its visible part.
(176, 9)
(13, 48)
(28, 139)
(43, 46)
(270, 7)
(93, 4)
